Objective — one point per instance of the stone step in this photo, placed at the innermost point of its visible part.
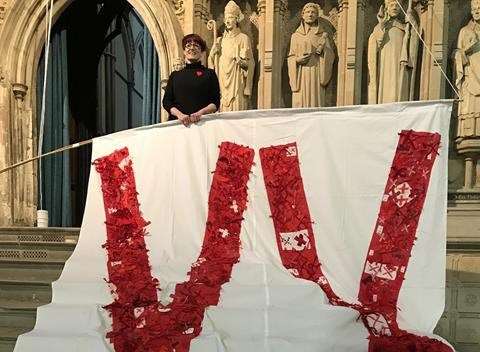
(18, 294)
(14, 322)
(34, 273)
(8, 337)
(17, 254)
(42, 236)
(30, 259)
(18, 317)
(49, 245)
(37, 245)
(41, 231)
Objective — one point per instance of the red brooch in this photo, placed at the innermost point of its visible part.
(199, 73)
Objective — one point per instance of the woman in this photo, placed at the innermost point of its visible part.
(193, 91)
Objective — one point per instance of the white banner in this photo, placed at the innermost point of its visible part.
(281, 230)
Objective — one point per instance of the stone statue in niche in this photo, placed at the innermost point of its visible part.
(232, 59)
(467, 69)
(393, 54)
(310, 60)
(178, 64)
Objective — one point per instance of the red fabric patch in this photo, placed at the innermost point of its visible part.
(199, 73)
(129, 276)
(406, 342)
(391, 244)
(395, 230)
(291, 216)
(140, 322)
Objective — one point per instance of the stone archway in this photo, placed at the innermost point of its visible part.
(22, 38)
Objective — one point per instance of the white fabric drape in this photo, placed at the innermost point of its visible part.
(345, 157)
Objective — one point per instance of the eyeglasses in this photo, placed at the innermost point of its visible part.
(192, 45)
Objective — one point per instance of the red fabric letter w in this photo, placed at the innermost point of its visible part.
(139, 321)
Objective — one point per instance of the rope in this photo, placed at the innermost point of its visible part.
(431, 54)
(48, 21)
(76, 145)
(39, 157)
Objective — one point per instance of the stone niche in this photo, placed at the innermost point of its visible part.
(328, 20)
(249, 26)
(370, 20)
(459, 16)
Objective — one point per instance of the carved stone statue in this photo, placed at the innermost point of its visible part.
(467, 68)
(232, 59)
(467, 72)
(393, 54)
(310, 60)
(178, 64)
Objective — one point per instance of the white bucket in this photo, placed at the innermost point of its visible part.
(42, 218)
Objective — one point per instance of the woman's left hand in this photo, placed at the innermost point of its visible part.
(196, 116)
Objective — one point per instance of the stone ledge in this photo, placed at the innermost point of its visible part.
(39, 239)
(40, 229)
(464, 196)
(463, 226)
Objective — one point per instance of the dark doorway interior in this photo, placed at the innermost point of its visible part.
(103, 77)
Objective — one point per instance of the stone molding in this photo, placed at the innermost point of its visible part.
(19, 91)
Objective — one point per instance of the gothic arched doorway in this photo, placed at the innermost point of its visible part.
(103, 76)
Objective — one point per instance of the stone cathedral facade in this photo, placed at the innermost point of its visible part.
(291, 53)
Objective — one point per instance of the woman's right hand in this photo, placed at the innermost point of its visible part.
(185, 119)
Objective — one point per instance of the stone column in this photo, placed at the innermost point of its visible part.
(469, 166)
(23, 177)
(434, 20)
(5, 153)
(469, 149)
(351, 40)
(193, 16)
(261, 9)
(270, 25)
(196, 14)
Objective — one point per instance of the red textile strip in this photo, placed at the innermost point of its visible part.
(406, 342)
(129, 276)
(395, 230)
(392, 242)
(291, 216)
(148, 325)
(413, 162)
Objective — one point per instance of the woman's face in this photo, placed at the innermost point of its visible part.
(192, 52)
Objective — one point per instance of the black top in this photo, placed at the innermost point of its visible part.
(191, 89)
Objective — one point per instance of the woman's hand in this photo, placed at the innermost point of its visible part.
(185, 119)
(196, 116)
